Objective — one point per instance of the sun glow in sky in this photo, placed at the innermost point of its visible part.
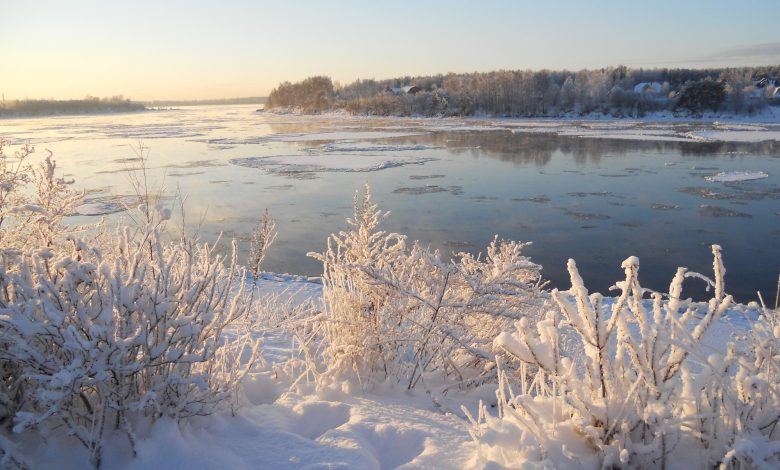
(153, 49)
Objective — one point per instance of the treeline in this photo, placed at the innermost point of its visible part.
(88, 105)
(216, 101)
(617, 91)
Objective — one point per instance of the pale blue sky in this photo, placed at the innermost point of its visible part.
(197, 49)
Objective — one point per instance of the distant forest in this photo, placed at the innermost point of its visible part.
(616, 91)
(217, 101)
(89, 105)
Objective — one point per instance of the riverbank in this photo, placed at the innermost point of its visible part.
(88, 106)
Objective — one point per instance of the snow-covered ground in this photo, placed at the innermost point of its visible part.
(280, 429)
(350, 427)
(332, 428)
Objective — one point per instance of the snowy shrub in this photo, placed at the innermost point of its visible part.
(34, 202)
(406, 315)
(352, 301)
(94, 338)
(632, 382)
(14, 175)
(752, 408)
(262, 238)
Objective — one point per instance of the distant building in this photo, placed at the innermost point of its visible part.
(648, 88)
(406, 90)
(765, 88)
(765, 82)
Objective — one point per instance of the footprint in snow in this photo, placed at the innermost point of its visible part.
(386, 445)
(313, 419)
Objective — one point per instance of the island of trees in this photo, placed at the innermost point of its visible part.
(88, 105)
(617, 91)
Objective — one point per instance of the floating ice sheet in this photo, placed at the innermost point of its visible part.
(344, 135)
(731, 176)
(99, 207)
(370, 147)
(326, 162)
(738, 135)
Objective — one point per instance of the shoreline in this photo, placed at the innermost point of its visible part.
(11, 116)
(770, 115)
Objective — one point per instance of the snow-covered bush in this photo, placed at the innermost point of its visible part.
(262, 239)
(353, 303)
(33, 203)
(14, 175)
(94, 338)
(752, 406)
(633, 382)
(406, 315)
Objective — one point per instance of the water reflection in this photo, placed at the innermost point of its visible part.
(538, 148)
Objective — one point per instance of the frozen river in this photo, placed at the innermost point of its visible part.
(594, 191)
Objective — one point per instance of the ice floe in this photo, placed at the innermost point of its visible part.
(326, 162)
(732, 176)
(98, 207)
(306, 137)
(648, 131)
(370, 147)
(738, 135)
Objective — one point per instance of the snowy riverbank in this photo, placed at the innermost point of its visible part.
(317, 428)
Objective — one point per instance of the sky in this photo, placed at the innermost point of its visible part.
(157, 49)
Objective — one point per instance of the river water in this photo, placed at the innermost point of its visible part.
(452, 184)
